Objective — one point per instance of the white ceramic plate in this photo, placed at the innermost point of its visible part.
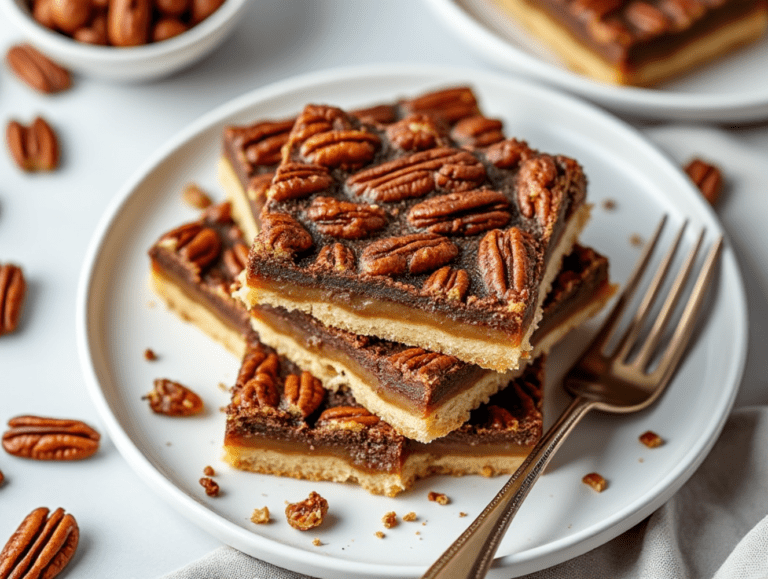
(730, 89)
(118, 317)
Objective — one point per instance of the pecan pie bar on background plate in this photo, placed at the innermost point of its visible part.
(118, 317)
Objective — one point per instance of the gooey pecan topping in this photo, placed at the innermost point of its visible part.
(304, 394)
(422, 362)
(466, 213)
(449, 105)
(297, 180)
(505, 260)
(336, 257)
(416, 133)
(345, 219)
(452, 284)
(415, 253)
(282, 235)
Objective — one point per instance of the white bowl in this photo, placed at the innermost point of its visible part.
(131, 64)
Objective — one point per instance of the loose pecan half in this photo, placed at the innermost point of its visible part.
(422, 362)
(173, 399)
(282, 236)
(308, 513)
(508, 154)
(534, 188)
(447, 282)
(466, 213)
(505, 259)
(415, 253)
(211, 486)
(707, 178)
(348, 149)
(347, 418)
(36, 69)
(33, 148)
(41, 546)
(478, 131)
(13, 288)
(449, 105)
(416, 133)
(345, 219)
(298, 180)
(336, 257)
(42, 438)
(194, 196)
(417, 174)
(304, 394)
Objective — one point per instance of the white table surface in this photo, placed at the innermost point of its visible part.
(108, 130)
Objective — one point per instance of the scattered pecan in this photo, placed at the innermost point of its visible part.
(256, 361)
(536, 177)
(505, 260)
(438, 498)
(304, 394)
(348, 149)
(36, 69)
(595, 480)
(41, 546)
(651, 439)
(149, 355)
(282, 235)
(347, 417)
(508, 154)
(260, 516)
(211, 486)
(478, 131)
(194, 196)
(416, 133)
(308, 513)
(236, 258)
(208, 471)
(336, 257)
(447, 282)
(345, 219)
(707, 177)
(415, 253)
(466, 213)
(417, 174)
(500, 418)
(173, 399)
(42, 438)
(422, 362)
(298, 180)
(13, 288)
(449, 105)
(33, 148)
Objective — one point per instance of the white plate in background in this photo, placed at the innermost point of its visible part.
(731, 89)
(118, 317)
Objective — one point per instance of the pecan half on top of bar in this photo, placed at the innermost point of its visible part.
(493, 214)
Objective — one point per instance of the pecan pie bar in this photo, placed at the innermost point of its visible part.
(252, 152)
(281, 421)
(640, 42)
(423, 395)
(400, 233)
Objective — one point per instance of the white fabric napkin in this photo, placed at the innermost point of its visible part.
(716, 526)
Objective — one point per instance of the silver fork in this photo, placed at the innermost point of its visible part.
(617, 382)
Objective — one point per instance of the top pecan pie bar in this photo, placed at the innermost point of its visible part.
(397, 232)
(640, 42)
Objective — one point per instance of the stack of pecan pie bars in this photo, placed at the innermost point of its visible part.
(392, 279)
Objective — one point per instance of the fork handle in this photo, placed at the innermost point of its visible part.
(470, 556)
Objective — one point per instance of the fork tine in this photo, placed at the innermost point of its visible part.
(627, 341)
(660, 323)
(611, 322)
(681, 337)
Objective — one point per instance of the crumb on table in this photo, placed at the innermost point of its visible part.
(438, 498)
(409, 517)
(650, 439)
(595, 480)
(260, 516)
(389, 519)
